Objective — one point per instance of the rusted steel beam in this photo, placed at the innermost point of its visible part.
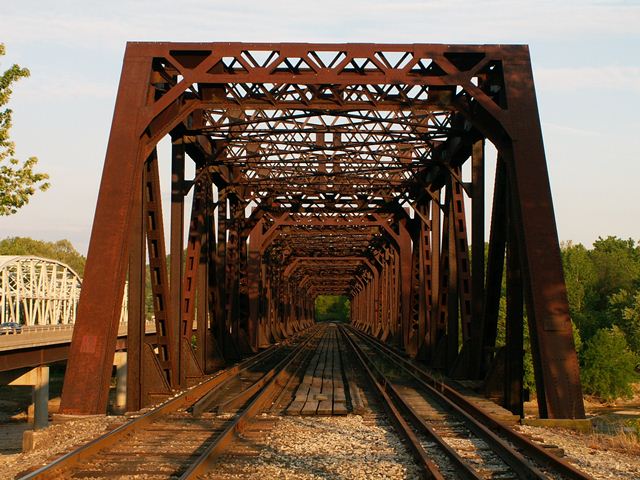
(166, 330)
(495, 267)
(514, 322)
(136, 304)
(462, 258)
(477, 257)
(555, 360)
(176, 252)
(88, 376)
(189, 365)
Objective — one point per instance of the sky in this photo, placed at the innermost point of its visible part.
(585, 54)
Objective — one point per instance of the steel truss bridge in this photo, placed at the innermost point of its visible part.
(37, 291)
(325, 169)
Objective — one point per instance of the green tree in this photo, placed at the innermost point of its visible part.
(18, 182)
(62, 250)
(332, 307)
(617, 263)
(624, 310)
(608, 365)
(579, 273)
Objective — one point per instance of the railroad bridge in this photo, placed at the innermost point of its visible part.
(340, 169)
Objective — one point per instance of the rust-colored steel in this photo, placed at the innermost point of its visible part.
(329, 170)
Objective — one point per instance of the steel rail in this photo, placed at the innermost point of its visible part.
(513, 459)
(182, 401)
(493, 431)
(463, 467)
(241, 398)
(237, 425)
(429, 468)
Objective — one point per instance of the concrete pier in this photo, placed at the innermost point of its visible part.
(120, 361)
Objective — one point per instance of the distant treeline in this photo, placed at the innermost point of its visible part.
(62, 250)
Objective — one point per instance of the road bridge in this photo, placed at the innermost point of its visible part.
(343, 169)
(47, 344)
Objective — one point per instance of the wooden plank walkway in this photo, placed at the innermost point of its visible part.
(323, 390)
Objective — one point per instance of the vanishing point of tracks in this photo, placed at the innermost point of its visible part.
(326, 370)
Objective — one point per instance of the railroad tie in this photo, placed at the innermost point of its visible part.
(322, 389)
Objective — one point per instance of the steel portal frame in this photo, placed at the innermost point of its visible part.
(325, 169)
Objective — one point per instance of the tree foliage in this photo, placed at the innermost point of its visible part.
(332, 307)
(608, 365)
(603, 286)
(18, 182)
(62, 250)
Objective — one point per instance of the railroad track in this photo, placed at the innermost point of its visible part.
(448, 435)
(183, 436)
(326, 370)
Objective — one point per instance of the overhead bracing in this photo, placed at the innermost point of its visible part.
(343, 169)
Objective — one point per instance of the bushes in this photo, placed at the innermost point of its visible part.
(608, 365)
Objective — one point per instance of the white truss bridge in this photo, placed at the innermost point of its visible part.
(37, 291)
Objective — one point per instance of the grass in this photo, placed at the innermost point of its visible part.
(624, 442)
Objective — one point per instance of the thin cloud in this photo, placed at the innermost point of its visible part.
(497, 21)
(620, 78)
(568, 130)
(46, 87)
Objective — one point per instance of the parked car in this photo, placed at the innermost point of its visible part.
(10, 327)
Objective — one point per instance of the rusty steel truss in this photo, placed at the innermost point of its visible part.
(325, 169)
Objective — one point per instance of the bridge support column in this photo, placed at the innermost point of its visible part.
(38, 378)
(120, 362)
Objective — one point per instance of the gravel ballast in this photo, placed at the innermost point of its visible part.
(56, 440)
(308, 448)
(318, 448)
(599, 463)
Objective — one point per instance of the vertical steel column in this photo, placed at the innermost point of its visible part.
(253, 283)
(231, 277)
(177, 247)
(557, 373)
(243, 290)
(477, 257)
(462, 257)
(387, 333)
(514, 354)
(495, 266)
(136, 305)
(426, 285)
(204, 340)
(370, 302)
(452, 295)
(222, 329)
(166, 330)
(404, 300)
(395, 298)
(213, 357)
(189, 365)
(434, 325)
(377, 324)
